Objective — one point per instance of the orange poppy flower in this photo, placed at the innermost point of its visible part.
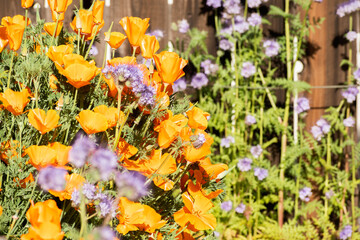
(169, 129)
(98, 11)
(200, 143)
(197, 118)
(8, 149)
(62, 153)
(149, 46)
(73, 181)
(194, 214)
(26, 3)
(114, 39)
(3, 38)
(111, 114)
(57, 16)
(170, 66)
(50, 28)
(14, 29)
(59, 6)
(212, 170)
(45, 221)
(136, 216)
(84, 21)
(43, 122)
(24, 182)
(125, 150)
(78, 71)
(52, 82)
(92, 122)
(41, 156)
(122, 60)
(1, 210)
(135, 29)
(57, 53)
(15, 102)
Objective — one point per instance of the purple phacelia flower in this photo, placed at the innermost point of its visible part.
(244, 164)
(93, 51)
(106, 207)
(179, 85)
(241, 25)
(324, 125)
(131, 185)
(82, 148)
(349, 122)
(356, 75)
(350, 93)
(226, 141)
(351, 36)
(198, 140)
(225, 44)
(89, 190)
(104, 233)
(305, 194)
(329, 194)
(214, 3)
(232, 7)
(240, 208)
(226, 206)
(261, 173)
(254, 19)
(75, 197)
(159, 34)
(248, 69)
(52, 178)
(271, 48)
(209, 67)
(199, 80)
(348, 7)
(302, 105)
(346, 232)
(105, 161)
(183, 26)
(256, 151)
(254, 3)
(250, 120)
(316, 132)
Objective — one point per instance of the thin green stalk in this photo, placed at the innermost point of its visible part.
(246, 8)
(91, 43)
(327, 172)
(11, 66)
(354, 186)
(55, 29)
(83, 217)
(298, 178)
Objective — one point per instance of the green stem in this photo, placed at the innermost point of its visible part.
(55, 29)
(11, 66)
(328, 163)
(91, 43)
(354, 186)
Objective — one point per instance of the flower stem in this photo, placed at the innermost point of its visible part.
(91, 43)
(11, 66)
(328, 163)
(55, 29)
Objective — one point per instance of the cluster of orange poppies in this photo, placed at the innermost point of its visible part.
(180, 158)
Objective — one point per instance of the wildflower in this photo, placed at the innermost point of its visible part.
(261, 173)
(324, 125)
(209, 67)
(15, 27)
(329, 194)
(92, 122)
(169, 129)
(81, 150)
(183, 26)
(226, 206)
(197, 118)
(225, 44)
(179, 85)
(256, 151)
(232, 7)
(27, 3)
(57, 53)
(348, 7)
(244, 164)
(41, 156)
(98, 12)
(52, 178)
(115, 39)
(125, 150)
(106, 206)
(157, 33)
(170, 66)
(111, 114)
(350, 93)
(240, 208)
(105, 162)
(212, 170)
(349, 122)
(316, 132)
(131, 185)
(149, 46)
(15, 102)
(305, 194)
(73, 182)
(248, 69)
(254, 19)
(83, 22)
(351, 36)
(254, 3)
(59, 6)
(104, 233)
(302, 105)
(93, 51)
(346, 232)
(50, 28)
(216, 234)
(356, 75)
(135, 29)
(89, 190)
(75, 197)
(3, 38)
(241, 25)
(226, 141)
(201, 143)
(199, 80)
(250, 120)
(271, 48)
(213, 3)
(43, 122)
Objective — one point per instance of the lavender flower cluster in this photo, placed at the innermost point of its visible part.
(255, 3)
(226, 141)
(321, 128)
(348, 7)
(179, 85)
(346, 232)
(227, 206)
(209, 67)
(271, 48)
(305, 194)
(302, 105)
(350, 94)
(133, 76)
